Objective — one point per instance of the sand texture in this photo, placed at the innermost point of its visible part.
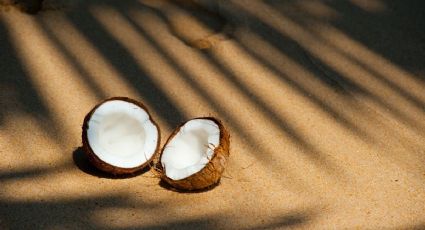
(324, 102)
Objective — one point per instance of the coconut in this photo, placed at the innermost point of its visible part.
(195, 155)
(119, 136)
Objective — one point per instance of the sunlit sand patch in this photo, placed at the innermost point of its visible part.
(311, 86)
(289, 28)
(180, 21)
(167, 77)
(372, 92)
(406, 81)
(67, 182)
(106, 77)
(203, 72)
(216, 218)
(164, 76)
(300, 110)
(179, 16)
(381, 193)
(26, 145)
(50, 74)
(251, 117)
(385, 128)
(160, 71)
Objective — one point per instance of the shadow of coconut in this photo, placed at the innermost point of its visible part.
(82, 162)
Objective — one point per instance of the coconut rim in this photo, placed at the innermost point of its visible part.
(223, 136)
(92, 155)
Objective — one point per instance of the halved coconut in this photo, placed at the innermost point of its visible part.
(119, 136)
(195, 155)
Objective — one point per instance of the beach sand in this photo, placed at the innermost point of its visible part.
(324, 101)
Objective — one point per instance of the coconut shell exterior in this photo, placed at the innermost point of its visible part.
(208, 176)
(96, 161)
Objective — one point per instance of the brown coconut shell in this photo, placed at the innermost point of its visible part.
(208, 176)
(96, 161)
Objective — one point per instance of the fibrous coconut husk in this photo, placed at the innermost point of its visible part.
(211, 173)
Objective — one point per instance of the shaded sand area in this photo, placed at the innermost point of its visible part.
(324, 100)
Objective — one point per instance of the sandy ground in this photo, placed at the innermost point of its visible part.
(325, 102)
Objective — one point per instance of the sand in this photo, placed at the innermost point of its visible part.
(324, 100)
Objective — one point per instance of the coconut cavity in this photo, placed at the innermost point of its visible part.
(194, 157)
(121, 134)
(190, 149)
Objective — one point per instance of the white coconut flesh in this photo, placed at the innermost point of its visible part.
(121, 134)
(190, 150)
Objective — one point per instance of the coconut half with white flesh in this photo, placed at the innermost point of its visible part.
(119, 136)
(195, 155)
